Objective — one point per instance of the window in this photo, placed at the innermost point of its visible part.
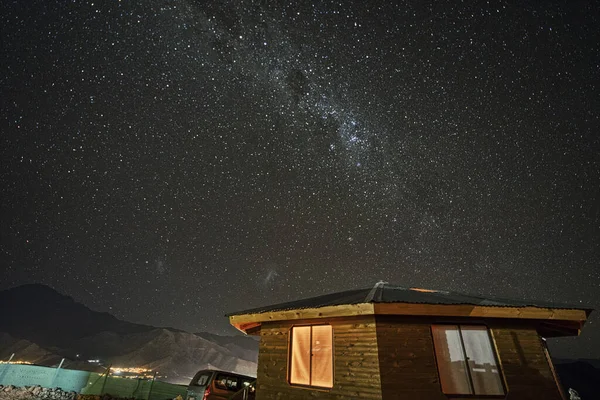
(201, 379)
(311, 356)
(227, 382)
(466, 360)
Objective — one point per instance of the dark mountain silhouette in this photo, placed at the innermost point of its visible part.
(26, 349)
(40, 325)
(29, 311)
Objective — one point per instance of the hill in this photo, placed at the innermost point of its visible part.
(31, 309)
(41, 325)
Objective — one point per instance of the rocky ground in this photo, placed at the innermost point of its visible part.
(11, 392)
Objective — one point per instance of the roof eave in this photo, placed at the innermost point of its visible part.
(249, 322)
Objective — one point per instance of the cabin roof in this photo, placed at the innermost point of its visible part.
(552, 319)
(384, 292)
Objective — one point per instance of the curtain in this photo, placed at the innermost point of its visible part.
(451, 360)
(300, 362)
(322, 356)
(484, 371)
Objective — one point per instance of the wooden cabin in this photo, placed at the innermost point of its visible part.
(389, 342)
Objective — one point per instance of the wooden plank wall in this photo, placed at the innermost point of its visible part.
(356, 366)
(395, 359)
(407, 359)
(526, 369)
(409, 370)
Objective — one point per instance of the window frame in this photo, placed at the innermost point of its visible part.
(289, 359)
(463, 351)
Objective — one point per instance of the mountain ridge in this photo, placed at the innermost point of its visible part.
(52, 325)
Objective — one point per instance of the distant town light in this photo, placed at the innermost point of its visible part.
(16, 362)
(133, 372)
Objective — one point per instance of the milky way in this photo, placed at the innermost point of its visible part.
(171, 162)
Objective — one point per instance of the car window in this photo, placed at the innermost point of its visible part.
(227, 382)
(201, 380)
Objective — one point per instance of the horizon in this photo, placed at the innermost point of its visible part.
(553, 342)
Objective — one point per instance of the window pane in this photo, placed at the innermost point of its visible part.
(201, 380)
(300, 357)
(484, 371)
(228, 382)
(450, 360)
(322, 356)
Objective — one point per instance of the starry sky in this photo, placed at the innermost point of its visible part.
(172, 161)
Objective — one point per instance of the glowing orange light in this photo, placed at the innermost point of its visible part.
(16, 362)
(423, 290)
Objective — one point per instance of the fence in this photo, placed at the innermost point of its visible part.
(85, 382)
(132, 388)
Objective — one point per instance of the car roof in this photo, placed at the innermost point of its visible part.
(225, 372)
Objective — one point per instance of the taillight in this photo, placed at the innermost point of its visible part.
(206, 393)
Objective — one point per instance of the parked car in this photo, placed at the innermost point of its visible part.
(220, 385)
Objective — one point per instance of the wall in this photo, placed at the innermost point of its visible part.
(87, 382)
(523, 359)
(356, 366)
(31, 375)
(393, 357)
(407, 360)
(408, 366)
(132, 388)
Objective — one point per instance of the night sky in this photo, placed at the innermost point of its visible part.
(169, 162)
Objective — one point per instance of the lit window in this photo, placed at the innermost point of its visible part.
(311, 356)
(466, 360)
